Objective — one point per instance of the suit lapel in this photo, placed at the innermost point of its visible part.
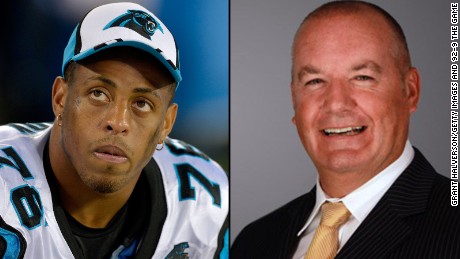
(382, 230)
(295, 218)
(385, 227)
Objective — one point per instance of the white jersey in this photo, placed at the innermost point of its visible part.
(196, 192)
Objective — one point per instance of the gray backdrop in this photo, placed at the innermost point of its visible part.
(269, 166)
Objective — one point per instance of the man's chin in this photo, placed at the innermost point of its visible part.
(343, 161)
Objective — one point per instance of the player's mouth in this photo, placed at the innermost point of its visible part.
(110, 153)
(344, 131)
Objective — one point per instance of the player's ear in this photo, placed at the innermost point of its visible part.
(170, 118)
(59, 94)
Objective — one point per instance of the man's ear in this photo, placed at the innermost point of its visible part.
(59, 95)
(293, 103)
(412, 88)
(170, 118)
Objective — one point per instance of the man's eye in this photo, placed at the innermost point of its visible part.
(364, 78)
(99, 95)
(142, 105)
(314, 81)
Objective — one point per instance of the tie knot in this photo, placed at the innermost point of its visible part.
(334, 214)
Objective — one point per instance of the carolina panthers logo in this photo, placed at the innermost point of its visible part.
(178, 251)
(138, 21)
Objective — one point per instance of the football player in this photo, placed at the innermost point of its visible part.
(104, 180)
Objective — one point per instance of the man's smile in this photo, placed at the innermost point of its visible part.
(344, 131)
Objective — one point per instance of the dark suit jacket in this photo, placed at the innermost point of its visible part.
(414, 219)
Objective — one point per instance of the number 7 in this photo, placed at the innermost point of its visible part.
(187, 191)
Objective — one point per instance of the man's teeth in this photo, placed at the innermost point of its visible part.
(343, 130)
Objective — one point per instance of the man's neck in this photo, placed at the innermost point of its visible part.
(340, 185)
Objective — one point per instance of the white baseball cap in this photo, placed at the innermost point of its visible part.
(123, 24)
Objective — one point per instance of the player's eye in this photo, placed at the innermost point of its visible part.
(98, 95)
(142, 105)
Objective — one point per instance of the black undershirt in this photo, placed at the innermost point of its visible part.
(124, 228)
(99, 242)
(127, 226)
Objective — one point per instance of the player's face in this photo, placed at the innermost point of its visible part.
(113, 115)
(352, 101)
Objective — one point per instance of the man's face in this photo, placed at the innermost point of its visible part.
(113, 115)
(352, 96)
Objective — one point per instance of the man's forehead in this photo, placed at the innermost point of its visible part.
(346, 32)
(343, 20)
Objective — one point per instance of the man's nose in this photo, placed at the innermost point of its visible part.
(338, 97)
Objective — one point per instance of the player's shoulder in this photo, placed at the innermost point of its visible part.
(21, 152)
(14, 132)
(181, 154)
(22, 143)
(197, 198)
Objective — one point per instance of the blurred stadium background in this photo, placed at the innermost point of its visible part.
(37, 32)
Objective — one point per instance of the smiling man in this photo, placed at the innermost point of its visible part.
(353, 91)
(104, 180)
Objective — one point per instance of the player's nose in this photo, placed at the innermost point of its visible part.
(117, 121)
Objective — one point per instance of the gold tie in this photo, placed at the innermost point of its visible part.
(325, 243)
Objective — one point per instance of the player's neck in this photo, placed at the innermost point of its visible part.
(92, 212)
(90, 208)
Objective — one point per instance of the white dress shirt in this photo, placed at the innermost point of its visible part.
(359, 202)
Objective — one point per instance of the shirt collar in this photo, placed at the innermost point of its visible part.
(362, 200)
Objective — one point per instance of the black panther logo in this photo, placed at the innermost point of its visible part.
(138, 21)
(178, 252)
